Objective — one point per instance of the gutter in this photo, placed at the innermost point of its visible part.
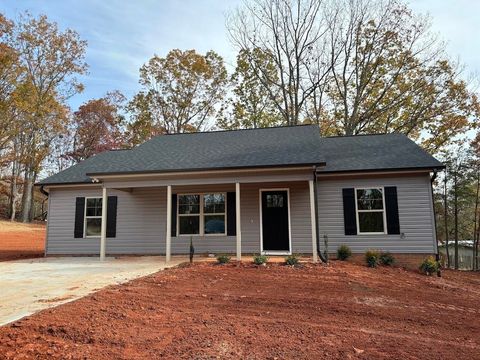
(43, 191)
(315, 196)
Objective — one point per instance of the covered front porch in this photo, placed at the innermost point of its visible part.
(268, 211)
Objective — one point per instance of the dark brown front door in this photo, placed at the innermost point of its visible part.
(275, 231)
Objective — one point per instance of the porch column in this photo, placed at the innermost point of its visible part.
(103, 228)
(238, 222)
(313, 220)
(169, 224)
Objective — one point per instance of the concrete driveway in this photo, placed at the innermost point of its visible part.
(27, 286)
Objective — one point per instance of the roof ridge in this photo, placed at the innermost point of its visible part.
(347, 136)
(237, 130)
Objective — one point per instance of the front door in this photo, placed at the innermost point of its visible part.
(275, 227)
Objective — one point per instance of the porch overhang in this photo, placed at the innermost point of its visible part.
(210, 177)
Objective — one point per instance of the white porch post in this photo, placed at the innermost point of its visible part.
(313, 220)
(103, 229)
(169, 224)
(238, 222)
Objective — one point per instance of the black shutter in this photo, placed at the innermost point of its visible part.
(349, 215)
(111, 216)
(391, 208)
(79, 217)
(231, 214)
(174, 215)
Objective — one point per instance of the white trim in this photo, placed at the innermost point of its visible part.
(103, 231)
(201, 214)
(168, 237)
(320, 174)
(90, 217)
(382, 188)
(48, 187)
(201, 172)
(275, 252)
(313, 220)
(238, 222)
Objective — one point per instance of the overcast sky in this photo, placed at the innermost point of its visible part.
(122, 35)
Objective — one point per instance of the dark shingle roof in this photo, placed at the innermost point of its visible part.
(374, 152)
(281, 146)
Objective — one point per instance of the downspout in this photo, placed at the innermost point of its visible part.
(315, 196)
(47, 194)
(437, 255)
(432, 179)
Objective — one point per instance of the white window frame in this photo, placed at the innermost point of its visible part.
(85, 217)
(201, 213)
(357, 211)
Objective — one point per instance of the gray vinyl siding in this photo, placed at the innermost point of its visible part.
(250, 219)
(141, 221)
(141, 218)
(415, 215)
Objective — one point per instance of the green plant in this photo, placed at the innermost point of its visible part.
(372, 258)
(223, 259)
(429, 265)
(343, 252)
(260, 259)
(386, 258)
(292, 260)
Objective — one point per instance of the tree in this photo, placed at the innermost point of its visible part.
(52, 60)
(393, 76)
(252, 105)
(357, 67)
(179, 93)
(459, 203)
(294, 35)
(97, 127)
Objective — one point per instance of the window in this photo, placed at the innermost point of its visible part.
(201, 214)
(370, 211)
(189, 214)
(214, 213)
(274, 200)
(93, 217)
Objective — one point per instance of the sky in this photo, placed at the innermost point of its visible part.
(123, 34)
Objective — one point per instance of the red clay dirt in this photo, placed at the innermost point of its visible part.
(209, 311)
(21, 241)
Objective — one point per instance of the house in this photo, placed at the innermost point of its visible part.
(275, 191)
(465, 253)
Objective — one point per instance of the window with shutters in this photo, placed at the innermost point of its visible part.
(93, 217)
(370, 209)
(201, 214)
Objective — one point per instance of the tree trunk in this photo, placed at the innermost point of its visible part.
(447, 250)
(14, 197)
(475, 225)
(455, 192)
(27, 196)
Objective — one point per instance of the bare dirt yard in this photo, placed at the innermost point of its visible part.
(21, 241)
(210, 311)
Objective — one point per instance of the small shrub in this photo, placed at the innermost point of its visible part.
(292, 260)
(429, 266)
(386, 258)
(343, 252)
(372, 258)
(223, 259)
(260, 259)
